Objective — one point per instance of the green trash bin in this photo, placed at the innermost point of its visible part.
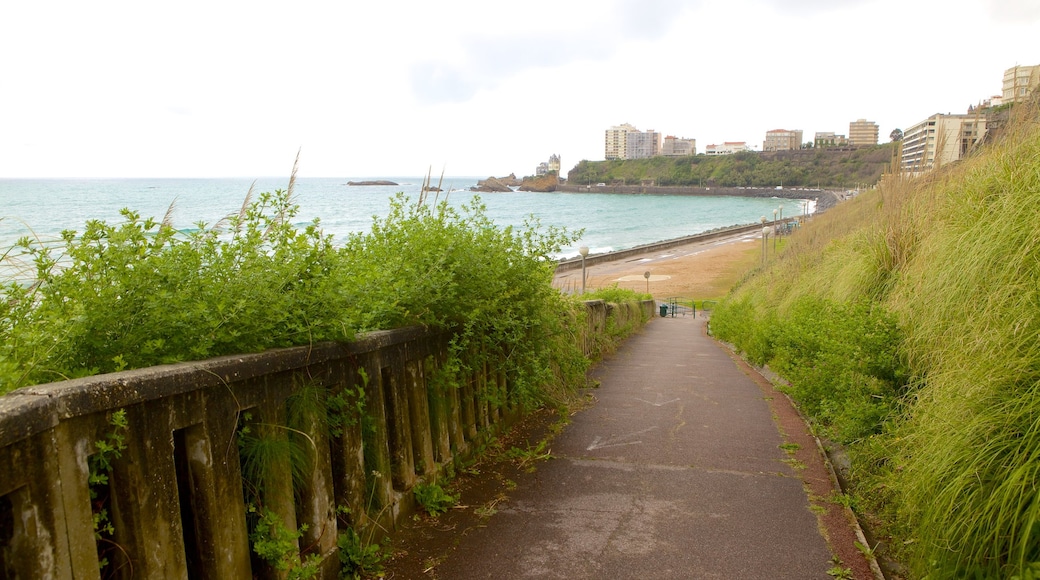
(664, 310)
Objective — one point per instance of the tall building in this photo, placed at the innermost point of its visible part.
(782, 140)
(617, 140)
(938, 140)
(626, 142)
(675, 147)
(641, 145)
(1019, 82)
(727, 148)
(863, 133)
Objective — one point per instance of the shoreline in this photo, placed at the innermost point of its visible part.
(701, 267)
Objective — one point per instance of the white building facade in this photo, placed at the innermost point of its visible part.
(938, 140)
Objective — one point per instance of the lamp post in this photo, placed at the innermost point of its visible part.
(765, 236)
(781, 208)
(584, 251)
(774, 229)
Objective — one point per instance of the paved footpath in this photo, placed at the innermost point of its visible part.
(675, 472)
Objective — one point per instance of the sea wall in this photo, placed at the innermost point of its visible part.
(824, 198)
(176, 495)
(574, 263)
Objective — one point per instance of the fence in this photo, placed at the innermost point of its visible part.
(175, 494)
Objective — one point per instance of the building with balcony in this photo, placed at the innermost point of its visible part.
(616, 140)
(863, 133)
(675, 147)
(782, 140)
(938, 140)
(642, 144)
(1019, 83)
(727, 148)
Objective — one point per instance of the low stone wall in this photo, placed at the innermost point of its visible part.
(175, 495)
(824, 198)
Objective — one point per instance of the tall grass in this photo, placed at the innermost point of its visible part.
(908, 322)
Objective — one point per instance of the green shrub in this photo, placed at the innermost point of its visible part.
(140, 293)
(616, 295)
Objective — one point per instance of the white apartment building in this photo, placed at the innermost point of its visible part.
(626, 142)
(938, 140)
(727, 148)
(642, 145)
(1019, 82)
(675, 147)
(616, 141)
(863, 133)
(782, 140)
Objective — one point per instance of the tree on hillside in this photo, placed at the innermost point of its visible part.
(896, 135)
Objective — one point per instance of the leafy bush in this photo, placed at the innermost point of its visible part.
(616, 295)
(140, 293)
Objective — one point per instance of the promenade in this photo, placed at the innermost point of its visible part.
(686, 465)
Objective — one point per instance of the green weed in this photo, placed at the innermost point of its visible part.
(433, 498)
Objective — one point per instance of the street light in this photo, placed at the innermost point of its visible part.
(584, 251)
(765, 236)
(781, 208)
(774, 229)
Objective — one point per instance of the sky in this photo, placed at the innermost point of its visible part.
(469, 87)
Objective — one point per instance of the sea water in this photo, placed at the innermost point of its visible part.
(44, 208)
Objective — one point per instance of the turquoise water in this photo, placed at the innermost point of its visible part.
(43, 208)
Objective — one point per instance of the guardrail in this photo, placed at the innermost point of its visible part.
(175, 493)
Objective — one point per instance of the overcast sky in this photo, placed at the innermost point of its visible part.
(474, 87)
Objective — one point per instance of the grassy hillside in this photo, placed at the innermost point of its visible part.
(804, 168)
(908, 323)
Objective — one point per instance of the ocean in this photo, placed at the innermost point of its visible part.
(42, 208)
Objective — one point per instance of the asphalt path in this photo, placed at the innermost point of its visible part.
(679, 469)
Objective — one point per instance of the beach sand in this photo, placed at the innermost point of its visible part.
(700, 270)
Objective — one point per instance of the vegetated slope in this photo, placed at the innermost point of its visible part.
(803, 168)
(908, 322)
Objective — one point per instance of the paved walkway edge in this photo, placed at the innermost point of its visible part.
(781, 399)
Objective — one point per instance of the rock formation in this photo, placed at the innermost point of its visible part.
(541, 183)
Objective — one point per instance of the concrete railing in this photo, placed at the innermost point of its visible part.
(175, 495)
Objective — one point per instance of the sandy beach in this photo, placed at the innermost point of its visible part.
(699, 270)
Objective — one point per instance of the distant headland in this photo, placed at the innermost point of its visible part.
(376, 182)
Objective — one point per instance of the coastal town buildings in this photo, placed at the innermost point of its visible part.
(545, 167)
(616, 139)
(675, 147)
(863, 133)
(727, 148)
(825, 139)
(626, 142)
(938, 140)
(1019, 83)
(782, 140)
(642, 144)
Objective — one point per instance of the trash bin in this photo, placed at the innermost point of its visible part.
(664, 310)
